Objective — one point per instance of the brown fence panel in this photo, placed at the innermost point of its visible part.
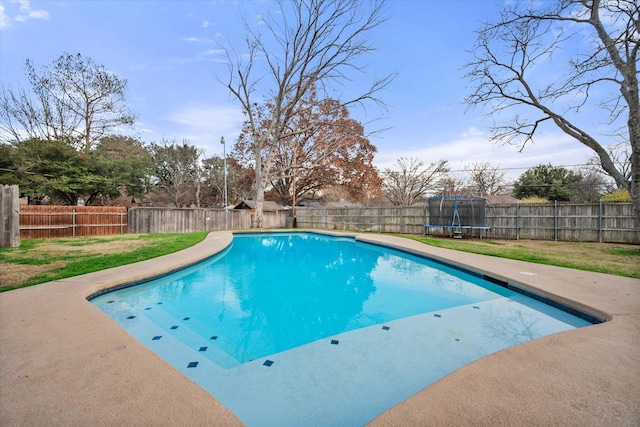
(404, 220)
(188, 220)
(274, 219)
(591, 222)
(44, 221)
(618, 223)
(583, 222)
(169, 220)
(587, 222)
(503, 220)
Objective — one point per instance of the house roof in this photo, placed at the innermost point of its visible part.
(266, 206)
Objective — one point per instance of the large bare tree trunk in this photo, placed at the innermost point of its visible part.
(308, 44)
(634, 190)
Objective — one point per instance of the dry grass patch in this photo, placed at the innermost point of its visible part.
(41, 260)
(15, 274)
(101, 246)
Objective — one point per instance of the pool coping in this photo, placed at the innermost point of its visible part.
(62, 361)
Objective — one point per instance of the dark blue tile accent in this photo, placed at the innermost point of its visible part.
(131, 317)
(157, 337)
(174, 327)
(437, 315)
(268, 362)
(335, 342)
(186, 318)
(192, 364)
(475, 306)
(159, 303)
(110, 302)
(386, 328)
(148, 308)
(203, 348)
(215, 337)
(457, 339)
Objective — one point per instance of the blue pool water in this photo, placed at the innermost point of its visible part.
(307, 329)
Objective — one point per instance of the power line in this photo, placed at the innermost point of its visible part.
(524, 167)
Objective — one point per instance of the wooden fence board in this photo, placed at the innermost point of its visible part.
(595, 222)
(47, 221)
(591, 222)
(187, 220)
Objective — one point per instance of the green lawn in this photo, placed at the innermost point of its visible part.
(42, 260)
(609, 258)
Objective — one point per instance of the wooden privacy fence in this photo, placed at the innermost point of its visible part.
(588, 222)
(187, 220)
(403, 220)
(585, 222)
(45, 221)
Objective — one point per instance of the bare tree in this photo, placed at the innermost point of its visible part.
(602, 74)
(178, 171)
(449, 185)
(485, 179)
(620, 154)
(74, 100)
(333, 151)
(239, 180)
(591, 187)
(307, 44)
(412, 181)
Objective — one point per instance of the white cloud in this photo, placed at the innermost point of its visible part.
(4, 18)
(23, 13)
(557, 149)
(192, 39)
(26, 12)
(204, 125)
(472, 132)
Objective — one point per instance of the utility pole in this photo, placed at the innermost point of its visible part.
(226, 201)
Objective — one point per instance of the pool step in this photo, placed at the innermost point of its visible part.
(193, 334)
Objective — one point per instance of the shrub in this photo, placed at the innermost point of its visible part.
(534, 199)
(619, 195)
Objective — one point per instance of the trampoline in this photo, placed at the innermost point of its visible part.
(457, 213)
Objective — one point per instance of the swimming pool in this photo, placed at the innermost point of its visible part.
(297, 329)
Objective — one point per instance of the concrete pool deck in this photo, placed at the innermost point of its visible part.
(64, 362)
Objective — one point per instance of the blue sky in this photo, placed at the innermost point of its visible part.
(169, 53)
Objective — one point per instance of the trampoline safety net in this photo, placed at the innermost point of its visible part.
(457, 211)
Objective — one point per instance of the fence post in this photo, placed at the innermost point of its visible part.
(73, 223)
(424, 218)
(121, 228)
(10, 220)
(555, 223)
(600, 221)
(517, 220)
